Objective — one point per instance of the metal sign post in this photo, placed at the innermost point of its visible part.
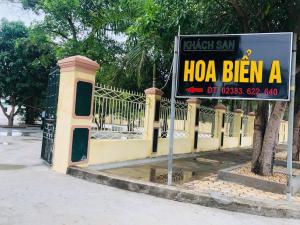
(291, 123)
(171, 138)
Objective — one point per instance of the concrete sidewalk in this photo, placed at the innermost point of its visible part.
(32, 194)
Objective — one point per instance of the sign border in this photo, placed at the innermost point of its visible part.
(232, 98)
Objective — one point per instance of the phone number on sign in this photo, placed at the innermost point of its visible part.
(241, 91)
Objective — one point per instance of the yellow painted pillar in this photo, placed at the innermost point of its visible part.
(220, 110)
(237, 132)
(153, 98)
(74, 112)
(193, 123)
(251, 118)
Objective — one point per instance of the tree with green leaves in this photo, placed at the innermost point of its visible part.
(25, 59)
(86, 27)
(152, 31)
(246, 16)
(81, 27)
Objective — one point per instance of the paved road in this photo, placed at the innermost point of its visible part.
(31, 194)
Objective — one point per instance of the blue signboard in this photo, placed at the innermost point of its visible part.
(236, 66)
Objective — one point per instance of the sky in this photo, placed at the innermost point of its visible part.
(14, 12)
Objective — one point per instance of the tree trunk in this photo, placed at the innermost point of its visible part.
(296, 137)
(32, 110)
(10, 121)
(260, 123)
(267, 156)
(11, 116)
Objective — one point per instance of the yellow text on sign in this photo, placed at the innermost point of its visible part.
(239, 71)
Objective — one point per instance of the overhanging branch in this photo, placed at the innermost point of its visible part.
(241, 14)
(17, 111)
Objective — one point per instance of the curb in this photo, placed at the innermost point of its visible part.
(264, 185)
(14, 127)
(280, 209)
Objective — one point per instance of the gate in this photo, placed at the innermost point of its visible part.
(50, 118)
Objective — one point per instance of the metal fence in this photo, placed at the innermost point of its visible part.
(245, 131)
(50, 119)
(180, 123)
(283, 132)
(229, 124)
(206, 122)
(118, 113)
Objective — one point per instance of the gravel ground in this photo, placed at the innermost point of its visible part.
(212, 184)
(279, 173)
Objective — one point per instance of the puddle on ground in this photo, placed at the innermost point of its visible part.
(11, 167)
(184, 170)
(31, 139)
(159, 175)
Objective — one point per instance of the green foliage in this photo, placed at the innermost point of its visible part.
(131, 39)
(151, 29)
(79, 27)
(88, 27)
(150, 35)
(25, 59)
(10, 61)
